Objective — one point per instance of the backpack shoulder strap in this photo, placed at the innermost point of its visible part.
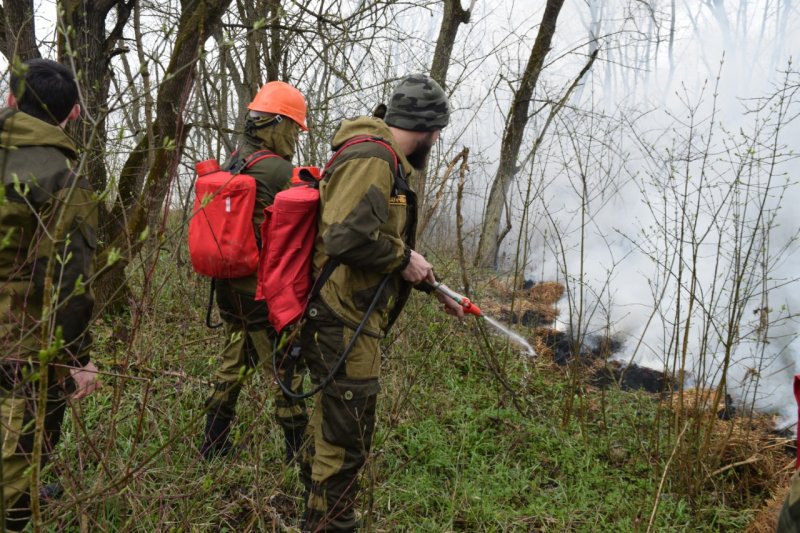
(240, 164)
(396, 169)
(257, 156)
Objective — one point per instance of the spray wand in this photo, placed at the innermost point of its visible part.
(460, 299)
(473, 309)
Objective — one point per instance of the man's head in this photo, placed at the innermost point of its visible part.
(419, 107)
(45, 90)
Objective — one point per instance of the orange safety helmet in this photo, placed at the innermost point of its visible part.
(281, 98)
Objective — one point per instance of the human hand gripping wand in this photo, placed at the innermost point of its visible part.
(460, 299)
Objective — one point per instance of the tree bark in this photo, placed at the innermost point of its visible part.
(274, 10)
(454, 15)
(89, 49)
(86, 45)
(490, 239)
(250, 76)
(158, 162)
(17, 31)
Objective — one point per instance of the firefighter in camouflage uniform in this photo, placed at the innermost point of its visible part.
(48, 216)
(277, 114)
(367, 226)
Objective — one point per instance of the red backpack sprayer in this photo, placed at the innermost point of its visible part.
(473, 309)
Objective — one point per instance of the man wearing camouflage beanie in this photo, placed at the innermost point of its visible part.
(367, 229)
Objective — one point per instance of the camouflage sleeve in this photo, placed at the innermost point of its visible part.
(355, 203)
(70, 242)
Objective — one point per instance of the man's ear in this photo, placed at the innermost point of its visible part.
(11, 101)
(74, 113)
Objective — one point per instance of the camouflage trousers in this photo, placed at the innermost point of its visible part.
(249, 343)
(19, 399)
(343, 420)
(789, 518)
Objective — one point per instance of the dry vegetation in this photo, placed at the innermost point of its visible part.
(744, 443)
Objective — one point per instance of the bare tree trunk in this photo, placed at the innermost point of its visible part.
(136, 209)
(489, 243)
(88, 47)
(454, 15)
(17, 31)
(671, 40)
(275, 40)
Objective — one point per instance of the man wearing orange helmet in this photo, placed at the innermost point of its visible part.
(277, 114)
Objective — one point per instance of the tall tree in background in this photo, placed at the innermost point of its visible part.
(84, 42)
(243, 68)
(491, 236)
(155, 159)
(17, 31)
(454, 16)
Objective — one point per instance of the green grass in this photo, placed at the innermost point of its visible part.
(468, 439)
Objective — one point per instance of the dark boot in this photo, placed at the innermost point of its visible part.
(215, 440)
(338, 492)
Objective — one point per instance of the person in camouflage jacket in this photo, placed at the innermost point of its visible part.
(48, 217)
(277, 114)
(367, 226)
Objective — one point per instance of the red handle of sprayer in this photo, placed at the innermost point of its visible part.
(470, 307)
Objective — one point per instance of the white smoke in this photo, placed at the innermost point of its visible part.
(666, 133)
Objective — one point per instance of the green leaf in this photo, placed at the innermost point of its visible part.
(80, 286)
(114, 255)
(7, 238)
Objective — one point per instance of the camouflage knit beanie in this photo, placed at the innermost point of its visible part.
(418, 104)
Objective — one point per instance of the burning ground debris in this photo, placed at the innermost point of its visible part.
(535, 306)
(744, 448)
(598, 355)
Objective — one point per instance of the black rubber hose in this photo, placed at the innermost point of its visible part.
(210, 306)
(287, 391)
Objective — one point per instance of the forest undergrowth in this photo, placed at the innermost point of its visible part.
(472, 436)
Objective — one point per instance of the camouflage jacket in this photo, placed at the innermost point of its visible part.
(367, 224)
(789, 517)
(48, 218)
(272, 175)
